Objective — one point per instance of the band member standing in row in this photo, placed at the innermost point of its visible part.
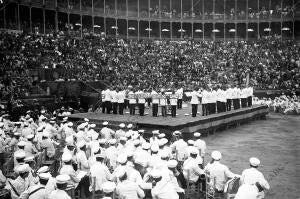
(228, 99)
(179, 92)
(250, 94)
(244, 96)
(141, 102)
(163, 104)
(132, 102)
(155, 102)
(204, 103)
(221, 101)
(194, 102)
(114, 101)
(173, 102)
(106, 101)
(121, 100)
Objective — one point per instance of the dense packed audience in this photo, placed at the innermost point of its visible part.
(288, 105)
(56, 158)
(268, 63)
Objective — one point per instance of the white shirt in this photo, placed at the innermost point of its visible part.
(101, 174)
(252, 175)
(180, 147)
(204, 97)
(141, 97)
(131, 97)
(82, 161)
(180, 93)
(195, 97)
(220, 173)
(173, 100)
(129, 189)
(164, 190)
(191, 170)
(112, 154)
(155, 98)
(61, 194)
(121, 96)
(107, 133)
(114, 96)
(201, 145)
(247, 191)
(106, 95)
(40, 194)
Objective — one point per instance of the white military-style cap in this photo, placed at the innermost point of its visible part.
(40, 129)
(62, 179)
(81, 144)
(21, 143)
(191, 142)
(43, 169)
(86, 120)
(162, 135)
(112, 141)
(197, 134)
(146, 145)
(155, 173)
(254, 161)
(216, 155)
(29, 159)
(122, 125)
(172, 164)
(123, 138)
(194, 150)
(120, 172)
(102, 141)
(22, 168)
(105, 123)
(122, 158)
(46, 134)
(92, 125)
(45, 176)
(155, 132)
(70, 124)
(136, 142)
(66, 157)
(20, 154)
(30, 136)
(154, 148)
(129, 126)
(108, 187)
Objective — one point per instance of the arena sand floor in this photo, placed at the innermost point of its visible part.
(274, 141)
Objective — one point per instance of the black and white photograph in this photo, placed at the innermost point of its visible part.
(149, 99)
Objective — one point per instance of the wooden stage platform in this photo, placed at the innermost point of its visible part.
(186, 124)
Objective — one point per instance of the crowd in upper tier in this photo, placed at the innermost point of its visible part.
(267, 63)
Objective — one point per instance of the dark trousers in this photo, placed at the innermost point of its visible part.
(104, 106)
(244, 102)
(249, 99)
(221, 107)
(126, 103)
(173, 110)
(109, 107)
(141, 109)
(212, 108)
(194, 110)
(83, 186)
(132, 109)
(236, 103)
(228, 104)
(179, 104)
(154, 110)
(164, 111)
(149, 101)
(121, 108)
(204, 111)
(115, 107)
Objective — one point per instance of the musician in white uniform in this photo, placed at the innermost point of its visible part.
(173, 102)
(114, 101)
(121, 101)
(194, 102)
(155, 102)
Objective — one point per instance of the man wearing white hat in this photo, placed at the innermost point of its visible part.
(99, 173)
(127, 188)
(191, 168)
(19, 185)
(200, 144)
(106, 132)
(172, 175)
(162, 188)
(30, 148)
(26, 130)
(121, 100)
(179, 147)
(81, 157)
(37, 191)
(132, 102)
(219, 171)
(47, 144)
(61, 184)
(67, 168)
(252, 175)
(120, 132)
(106, 101)
(50, 186)
(112, 153)
(20, 153)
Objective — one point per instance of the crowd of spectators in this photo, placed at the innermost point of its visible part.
(288, 105)
(268, 63)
